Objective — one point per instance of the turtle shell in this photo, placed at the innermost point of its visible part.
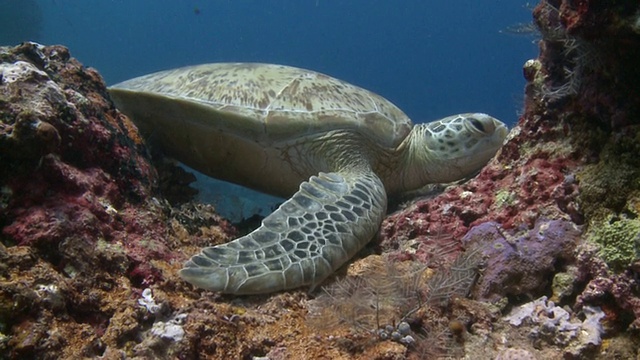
(261, 102)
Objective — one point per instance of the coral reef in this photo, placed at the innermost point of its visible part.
(81, 230)
(557, 210)
(71, 168)
(92, 237)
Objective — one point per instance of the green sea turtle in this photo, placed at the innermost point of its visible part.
(335, 149)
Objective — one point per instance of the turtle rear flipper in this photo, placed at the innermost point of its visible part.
(325, 223)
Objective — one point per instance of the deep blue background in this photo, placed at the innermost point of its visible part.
(431, 58)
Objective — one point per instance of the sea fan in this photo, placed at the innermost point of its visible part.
(456, 280)
(379, 296)
(385, 294)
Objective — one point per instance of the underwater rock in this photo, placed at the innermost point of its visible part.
(521, 263)
(570, 163)
(616, 293)
(80, 230)
(528, 179)
(515, 354)
(73, 171)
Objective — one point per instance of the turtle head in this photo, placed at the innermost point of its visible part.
(456, 146)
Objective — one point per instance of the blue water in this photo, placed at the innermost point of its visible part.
(431, 58)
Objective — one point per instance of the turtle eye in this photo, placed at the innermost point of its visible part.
(477, 124)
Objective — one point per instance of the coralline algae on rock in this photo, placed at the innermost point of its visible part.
(521, 262)
(80, 230)
(71, 168)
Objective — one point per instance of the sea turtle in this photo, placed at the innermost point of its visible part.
(335, 149)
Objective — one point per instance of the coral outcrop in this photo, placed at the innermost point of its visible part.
(90, 246)
(556, 212)
(81, 233)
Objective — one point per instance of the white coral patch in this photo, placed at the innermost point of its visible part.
(550, 320)
(148, 302)
(20, 70)
(171, 329)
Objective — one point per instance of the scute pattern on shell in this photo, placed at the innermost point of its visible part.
(287, 102)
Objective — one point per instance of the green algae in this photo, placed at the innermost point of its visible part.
(563, 285)
(505, 197)
(605, 188)
(619, 242)
(610, 199)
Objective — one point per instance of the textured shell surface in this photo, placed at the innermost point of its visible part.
(276, 102)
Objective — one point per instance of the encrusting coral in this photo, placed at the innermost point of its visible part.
(556, 325)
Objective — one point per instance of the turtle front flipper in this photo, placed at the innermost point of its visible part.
(324, 224)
